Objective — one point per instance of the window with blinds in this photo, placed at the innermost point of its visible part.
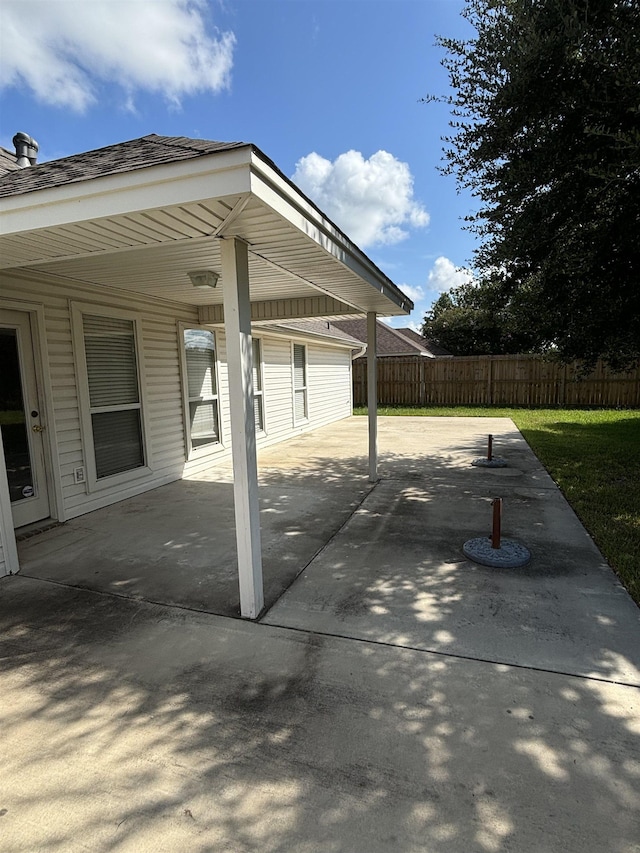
(114, 394)
(202, 387)
(300, 412)
(258, 395)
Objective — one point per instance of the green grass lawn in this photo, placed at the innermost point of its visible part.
(594, 457)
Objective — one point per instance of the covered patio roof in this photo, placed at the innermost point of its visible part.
(141, 214)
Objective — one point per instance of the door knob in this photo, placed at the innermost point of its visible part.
(37, 428)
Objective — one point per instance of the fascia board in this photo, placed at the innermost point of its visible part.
(282, 197)
(183, 182)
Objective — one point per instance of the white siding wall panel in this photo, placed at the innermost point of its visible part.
(329, 382)
(163, 405)
(163, 400)
(278, 389)
(223, 390)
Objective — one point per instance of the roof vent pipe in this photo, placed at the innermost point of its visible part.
(26, 149)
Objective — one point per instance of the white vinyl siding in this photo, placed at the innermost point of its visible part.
(160, 352)
(330, 384)
(114, 394)
(329, 387)
(300, 407)
(202, 407)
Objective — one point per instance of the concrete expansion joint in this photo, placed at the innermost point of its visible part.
(322, 548)
(332, 635)
(528, 668)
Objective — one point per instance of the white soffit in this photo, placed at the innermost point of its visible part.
(144, 230)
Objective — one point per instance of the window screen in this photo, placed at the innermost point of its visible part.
(299, 382)
(202, 388)
(258, 396)
(114, 394)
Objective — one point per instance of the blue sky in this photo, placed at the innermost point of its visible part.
(329, 90)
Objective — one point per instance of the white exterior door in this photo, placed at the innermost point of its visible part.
(20, 420)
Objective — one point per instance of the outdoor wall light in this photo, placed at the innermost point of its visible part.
(203, 278)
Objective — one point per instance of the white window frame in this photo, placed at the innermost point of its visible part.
(207, 449)
(93, 483)
(304, 388)
(259, 393)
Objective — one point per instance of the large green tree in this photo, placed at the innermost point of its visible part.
(546, 134)
(472, 320)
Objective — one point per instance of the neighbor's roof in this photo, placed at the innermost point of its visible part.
(151, 150)
(391, 341)
(434, 349)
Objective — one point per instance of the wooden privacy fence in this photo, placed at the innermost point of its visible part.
(495, 380)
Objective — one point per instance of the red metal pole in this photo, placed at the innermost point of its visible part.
(497, 521)
(490, 448)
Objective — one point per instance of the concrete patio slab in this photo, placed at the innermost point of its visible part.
(397, 697)
(176, 544)
(396, 573)
(129, 727)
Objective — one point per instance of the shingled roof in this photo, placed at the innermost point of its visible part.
(434, 349)
(391, 341)
(106, 204)
(8, 162)
(151, 150)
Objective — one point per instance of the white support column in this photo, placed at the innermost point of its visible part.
(372, 395)
(237, 323)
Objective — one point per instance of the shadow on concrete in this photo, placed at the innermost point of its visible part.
(176, 544)
(396, 574)
(133, 727)
(384, 564)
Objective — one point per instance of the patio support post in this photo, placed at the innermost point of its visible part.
(237, 323)
(372, 395)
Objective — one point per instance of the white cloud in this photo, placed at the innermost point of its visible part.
(444, 275)
(415, 294)
(371, 200)
(61, 50)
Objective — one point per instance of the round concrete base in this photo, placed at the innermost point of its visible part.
(494, 462)
(510, 554)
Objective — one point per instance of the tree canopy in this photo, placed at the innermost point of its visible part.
(546, 134)
(472, 320)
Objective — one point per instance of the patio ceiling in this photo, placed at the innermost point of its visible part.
(143, 230)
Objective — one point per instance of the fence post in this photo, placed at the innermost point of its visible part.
(563, 386)
(490, 381)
